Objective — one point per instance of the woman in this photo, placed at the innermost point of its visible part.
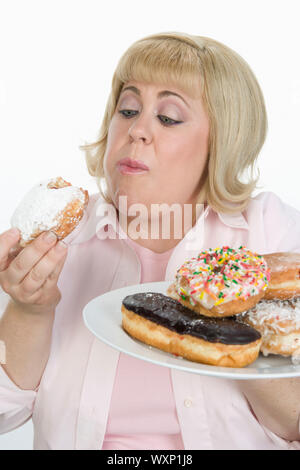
(185, 120)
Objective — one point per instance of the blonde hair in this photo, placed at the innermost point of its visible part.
(200, 66)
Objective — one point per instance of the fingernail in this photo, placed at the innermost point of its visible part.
(50, 237)
(61, 246)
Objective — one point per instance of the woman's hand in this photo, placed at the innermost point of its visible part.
(276, 404)
(30, 275)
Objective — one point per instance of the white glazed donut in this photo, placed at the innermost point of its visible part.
(285, 275)
(54, 205)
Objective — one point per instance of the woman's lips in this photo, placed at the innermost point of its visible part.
(128, 166)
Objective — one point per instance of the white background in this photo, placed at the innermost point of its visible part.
(57, 59)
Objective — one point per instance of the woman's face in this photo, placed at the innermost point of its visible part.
(157, 146)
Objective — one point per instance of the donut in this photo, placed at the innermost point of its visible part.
(278, 322)
(53, 204)
(162, 322)
(285, 275)
(221, 282)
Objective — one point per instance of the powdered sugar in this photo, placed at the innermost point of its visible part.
(279, 316)
(41, 209)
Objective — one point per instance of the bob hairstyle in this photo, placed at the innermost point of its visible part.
(201, 67)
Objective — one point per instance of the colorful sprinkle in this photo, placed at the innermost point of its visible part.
(222, 274)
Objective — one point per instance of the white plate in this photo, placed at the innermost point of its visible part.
(103, 318)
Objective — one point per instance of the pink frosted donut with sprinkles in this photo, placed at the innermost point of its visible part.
(221, 282)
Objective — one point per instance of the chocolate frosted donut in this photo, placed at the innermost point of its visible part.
(163, 322)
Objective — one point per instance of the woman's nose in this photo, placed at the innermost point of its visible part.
(141, 129)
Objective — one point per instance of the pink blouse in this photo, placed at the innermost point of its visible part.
(137, 410)
(76, 404)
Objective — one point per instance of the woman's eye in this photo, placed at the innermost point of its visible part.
(125, 111)
(168, 121)
(165, 120)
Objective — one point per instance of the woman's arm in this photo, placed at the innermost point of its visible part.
(26, 325)
(276, 404)
(27, 339)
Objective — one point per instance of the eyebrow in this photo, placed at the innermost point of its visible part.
(161, 94)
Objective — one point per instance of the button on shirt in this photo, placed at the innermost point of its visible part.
(143, 416)
(70, 408)
(188, 402)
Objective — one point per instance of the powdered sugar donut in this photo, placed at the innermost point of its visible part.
(54, 205)
(285, 275)
(221, 282)
(278, 321)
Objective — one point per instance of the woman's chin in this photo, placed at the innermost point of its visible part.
(127, 198)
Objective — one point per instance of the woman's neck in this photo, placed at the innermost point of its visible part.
(158, 246)
(160, 234)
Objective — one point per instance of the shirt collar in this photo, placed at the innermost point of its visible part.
(234, 220)
(101, 217)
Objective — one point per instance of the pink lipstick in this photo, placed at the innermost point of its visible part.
(128, 166)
